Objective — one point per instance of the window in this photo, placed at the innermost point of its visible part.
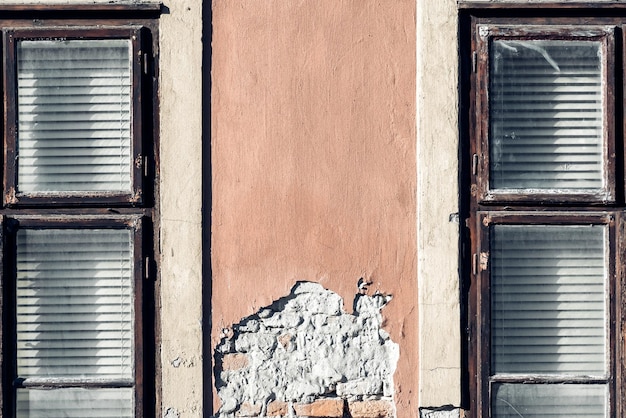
(547, 107)
(77, 216)
(546, 213)
(75, 131)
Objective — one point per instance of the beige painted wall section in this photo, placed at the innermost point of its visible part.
(438, 238)
(181, 205)
(313, 159)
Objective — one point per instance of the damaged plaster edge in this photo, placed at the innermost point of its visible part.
(171, 413)
(446, 411)
(438, 235)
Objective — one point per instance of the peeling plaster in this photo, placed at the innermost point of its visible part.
(171, 413)
(179, 361)
(440, 412)
(305, 347)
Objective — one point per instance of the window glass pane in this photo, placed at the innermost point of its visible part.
(74, 130)
(541, 401)
(74, 303)
(75, 403)
(546, 115)
(548, 299)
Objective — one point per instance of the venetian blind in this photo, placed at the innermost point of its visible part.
(74, 304)
(74, 118)
(546, 115)
(548, 299)
(549, 401)
(75, 403)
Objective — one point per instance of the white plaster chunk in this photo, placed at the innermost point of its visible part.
(362, 387)
(251, 326)
(283, 320)
(307, 287)
(305, 347)
(443, 412)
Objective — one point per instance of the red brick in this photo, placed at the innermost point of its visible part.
(248, 410)
(277, 409)
(234, 361)
(285, 340)
(326, 408)
(371, 409)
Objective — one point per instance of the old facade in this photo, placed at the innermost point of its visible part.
(308, 170)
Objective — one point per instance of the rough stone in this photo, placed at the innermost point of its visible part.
(327, 408)
(251, 326)
(371, 409)
(441, 412)
(248, 410)
(360, 387)
(234, 361)
(277, 408)
(285, 340)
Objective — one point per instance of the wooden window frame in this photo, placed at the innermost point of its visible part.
(12, 194)
(480, 302)
(479, 204)
(485, 35)
(136, 210)
(12, 381)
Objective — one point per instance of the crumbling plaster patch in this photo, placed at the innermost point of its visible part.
(440, 412)
(171, 413)
(303, 348)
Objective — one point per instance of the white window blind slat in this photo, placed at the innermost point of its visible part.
(546, 115)
(76, 403)
(74, 284)
(40, 127)
(79, 157)
(71, 335)
(547, 401)
(548, 299)
(64, 146)
(75, 89)
(73, 135)
(66, 119)
(42, 104)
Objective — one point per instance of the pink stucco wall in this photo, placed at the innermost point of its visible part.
(313, 159)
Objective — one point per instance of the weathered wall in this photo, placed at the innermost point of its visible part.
(438, 204)
(305, 351)
(313, 160)
(314, 166)
(180, 305)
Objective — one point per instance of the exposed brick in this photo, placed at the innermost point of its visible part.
(277, 409)
(234, 361)
(326, 408)
(371, 409)
(285, 340)
(249, 410)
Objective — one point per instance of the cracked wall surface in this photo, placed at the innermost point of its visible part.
(305, 356)
(440, 412)
(313, 155)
